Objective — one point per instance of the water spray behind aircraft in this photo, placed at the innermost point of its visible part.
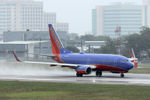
(14, 68)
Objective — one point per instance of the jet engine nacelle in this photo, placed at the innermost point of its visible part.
(84, 70)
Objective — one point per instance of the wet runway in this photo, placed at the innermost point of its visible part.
(130, 79)
(41, 73)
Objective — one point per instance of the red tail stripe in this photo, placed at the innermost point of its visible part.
(55, 49)
(132, 53)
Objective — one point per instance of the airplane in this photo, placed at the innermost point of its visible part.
(84, 63)
(133, 59)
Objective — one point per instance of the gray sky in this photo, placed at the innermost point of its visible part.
(77, 12)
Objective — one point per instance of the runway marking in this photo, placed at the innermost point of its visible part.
(131, 79)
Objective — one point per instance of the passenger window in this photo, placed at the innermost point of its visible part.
(124, 60)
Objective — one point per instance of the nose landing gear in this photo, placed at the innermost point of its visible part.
(122, 75)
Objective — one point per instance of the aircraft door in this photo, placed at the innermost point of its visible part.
(116, 62)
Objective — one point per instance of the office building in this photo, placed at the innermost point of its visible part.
(62, 27)
(20, 15)
(105, 19)
(48, 18)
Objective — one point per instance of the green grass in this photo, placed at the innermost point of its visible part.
(67, 91)
(35, 94)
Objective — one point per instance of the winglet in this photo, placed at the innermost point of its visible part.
(16, 57)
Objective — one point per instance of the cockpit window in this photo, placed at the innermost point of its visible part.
(124, 60)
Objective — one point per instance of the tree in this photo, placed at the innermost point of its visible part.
(139, 42)
(145, 40)
(132, 41)
(73, 49)
(109, 48)
(74, 36)
(89, 37)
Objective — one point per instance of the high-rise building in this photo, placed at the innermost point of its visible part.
(146, 13)
(127, 16)
(62, 27)
(20, 15)
(48, 18)
(146, 2)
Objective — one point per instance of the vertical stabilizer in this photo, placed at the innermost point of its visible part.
(133, 59)
(132, 53)
(56, 44)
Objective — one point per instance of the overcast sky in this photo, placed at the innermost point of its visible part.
(77, 12)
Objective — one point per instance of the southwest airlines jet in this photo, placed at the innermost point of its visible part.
(84, 63)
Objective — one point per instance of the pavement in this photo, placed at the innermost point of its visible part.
(41, 73)
(107, 78)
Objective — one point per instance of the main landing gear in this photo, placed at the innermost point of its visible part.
(79, 74)
(122, 75)
(98, 73)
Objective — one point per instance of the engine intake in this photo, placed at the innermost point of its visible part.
(84, 70)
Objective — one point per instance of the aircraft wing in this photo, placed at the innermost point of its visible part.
(74, 66)
(46, 55)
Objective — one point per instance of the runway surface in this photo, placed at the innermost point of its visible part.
(25, 72)
(130, 79)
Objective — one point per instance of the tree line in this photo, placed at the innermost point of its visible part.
(140, 42)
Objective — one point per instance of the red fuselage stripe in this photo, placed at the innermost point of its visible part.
(109, 68)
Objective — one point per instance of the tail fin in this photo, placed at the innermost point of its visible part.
(133, 59)
(56, 44)
(132, 53)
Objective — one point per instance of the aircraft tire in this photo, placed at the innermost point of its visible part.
(79, 75)
(98, 73)
(122, 75)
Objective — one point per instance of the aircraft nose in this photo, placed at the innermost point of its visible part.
(130, 66)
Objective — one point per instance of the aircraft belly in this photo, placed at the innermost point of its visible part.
(110, 68)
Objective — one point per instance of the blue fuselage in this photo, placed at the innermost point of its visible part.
(100, 60)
